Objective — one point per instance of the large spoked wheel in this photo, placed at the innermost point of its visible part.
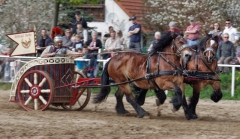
(83, 99)
(35, 90)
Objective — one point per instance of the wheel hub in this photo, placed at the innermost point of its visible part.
(35, 91)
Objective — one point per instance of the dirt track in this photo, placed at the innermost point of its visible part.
(216, 120)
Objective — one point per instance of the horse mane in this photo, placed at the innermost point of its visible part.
(165, 40)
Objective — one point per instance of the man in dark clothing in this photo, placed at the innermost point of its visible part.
(43, 41)
(226, 52)
(135, 35)
(78, 19)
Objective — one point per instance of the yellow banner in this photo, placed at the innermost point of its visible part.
(26, 42)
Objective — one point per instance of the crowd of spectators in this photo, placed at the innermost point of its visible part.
(76, 39)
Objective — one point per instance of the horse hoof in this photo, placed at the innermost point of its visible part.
(157, 102)
(144, 115)
(173, 109)
(194, 116)
(122, 112)
(188, 117)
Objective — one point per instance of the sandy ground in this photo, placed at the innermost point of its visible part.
(216, 120)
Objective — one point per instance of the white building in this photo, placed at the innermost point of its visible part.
(117, 14)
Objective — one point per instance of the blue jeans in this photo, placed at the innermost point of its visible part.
(191, 43)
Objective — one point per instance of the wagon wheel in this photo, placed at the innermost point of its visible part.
(35, 90)
(83, 99)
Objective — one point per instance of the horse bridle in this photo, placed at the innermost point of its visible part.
(180, 48)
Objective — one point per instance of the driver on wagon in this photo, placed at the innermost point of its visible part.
(57, 49)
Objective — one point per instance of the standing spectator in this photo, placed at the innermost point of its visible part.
(233, 34)
(93, 45)
(112, 43)
(82, 32)
(43, 41)
(107, 35)
(78, 19)
(216, 31)
(226, 52)
(172, 28)
(192, 32)
(135, 35)
(66, 40)
(157, 37)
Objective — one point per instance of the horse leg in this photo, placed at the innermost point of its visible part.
(140, 111)
(161, 96)
(140, 94)
(130, 99)
(217, 93)
(194, 101)
(179, 100)
(119, 106)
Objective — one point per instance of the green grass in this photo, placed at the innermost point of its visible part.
(207, 91)
(5, 86)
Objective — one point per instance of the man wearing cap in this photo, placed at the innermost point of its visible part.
(192, 32)
(57, 49)
(78, 19)
(135, 35)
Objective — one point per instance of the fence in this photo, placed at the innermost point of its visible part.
(233, 75)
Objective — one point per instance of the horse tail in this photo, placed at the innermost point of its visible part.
(98, 98)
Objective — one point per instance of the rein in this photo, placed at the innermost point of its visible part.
(201, 75)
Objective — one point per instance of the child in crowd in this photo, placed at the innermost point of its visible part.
(81, 66)
(78, 44)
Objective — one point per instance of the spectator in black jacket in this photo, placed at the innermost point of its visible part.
(43, 41)
(78, 19)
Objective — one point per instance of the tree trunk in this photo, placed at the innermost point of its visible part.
(56, 11)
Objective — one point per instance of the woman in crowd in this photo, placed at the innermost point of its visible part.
(216, 31)
(93, 45)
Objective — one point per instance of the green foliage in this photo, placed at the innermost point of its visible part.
(5, 86)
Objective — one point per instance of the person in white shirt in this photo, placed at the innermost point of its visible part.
(113, 43)
(82, 32)
(233, 34)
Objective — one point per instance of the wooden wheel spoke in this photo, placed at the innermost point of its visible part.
(28, 82)
(45, 91)
(28, 100)
(42, 82)
(35, 104)
(35, 78)
(43, 100)
(25, 91)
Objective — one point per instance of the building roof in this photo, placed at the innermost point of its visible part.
(133, 7)
(2, 1)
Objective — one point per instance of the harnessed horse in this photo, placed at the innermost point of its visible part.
(165, 73)
(202, 70)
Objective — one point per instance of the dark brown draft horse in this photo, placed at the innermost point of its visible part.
(203, 69)
(165, 68)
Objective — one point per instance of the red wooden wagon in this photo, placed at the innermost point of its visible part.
(49, 81)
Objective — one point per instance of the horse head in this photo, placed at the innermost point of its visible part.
(182, 50)
(211, 48)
